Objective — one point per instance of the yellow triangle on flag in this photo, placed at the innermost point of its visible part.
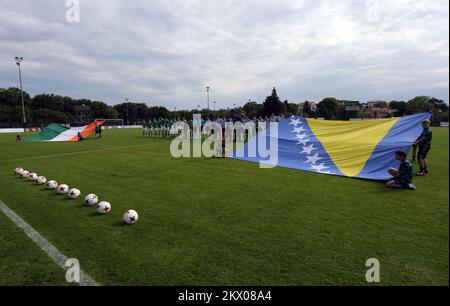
(350, 143)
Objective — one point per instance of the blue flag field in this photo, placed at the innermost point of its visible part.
(359, 149)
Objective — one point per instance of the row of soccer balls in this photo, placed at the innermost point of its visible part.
(129, 217)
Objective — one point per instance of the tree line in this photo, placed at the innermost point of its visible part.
(330, 108)
(45, 108)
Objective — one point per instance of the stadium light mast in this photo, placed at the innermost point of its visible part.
(207, 96)
(18, 61)
(128, 121)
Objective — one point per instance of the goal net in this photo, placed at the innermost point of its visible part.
(111, 122)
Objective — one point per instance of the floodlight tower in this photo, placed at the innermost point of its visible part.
(19, 60)
(127, 101)
(207, 96)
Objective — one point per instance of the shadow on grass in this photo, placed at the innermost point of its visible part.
(82, 205)
(56, 194)
(19, 178)
(120, 224)
(384, 189)
(72, 201)
(95, 214)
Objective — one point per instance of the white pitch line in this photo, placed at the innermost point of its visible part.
(59, 258)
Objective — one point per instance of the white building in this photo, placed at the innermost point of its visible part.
(312, 105)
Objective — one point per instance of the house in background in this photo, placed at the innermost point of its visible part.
(306, 108)
(376, 109)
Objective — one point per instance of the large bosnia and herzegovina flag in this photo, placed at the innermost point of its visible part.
(360, 149)
(58, 132)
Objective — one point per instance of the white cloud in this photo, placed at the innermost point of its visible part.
(166, 52)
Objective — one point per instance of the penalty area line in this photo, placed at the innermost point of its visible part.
(45, 245)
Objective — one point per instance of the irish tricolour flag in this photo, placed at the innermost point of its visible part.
(57, 132)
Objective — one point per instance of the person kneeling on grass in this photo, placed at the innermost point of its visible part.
(401, 178)
(80, 137)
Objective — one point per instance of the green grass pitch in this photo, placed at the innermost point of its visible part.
(217, 221)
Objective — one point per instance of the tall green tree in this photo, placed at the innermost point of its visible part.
(45, 116)
(419, 104)
(328, 108)
(440, 110)
(399, 106)
(273, 104)
(162, 112)
(251, 109)
(11, 97)
(292, 109)
(439, 104)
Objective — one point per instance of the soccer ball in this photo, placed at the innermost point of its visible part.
(91, 199)
(18, 171)
(52, 184)
(63, 189)
(32, 176)
(130, 217)
(41, 180)
(103, 208)
(74, 193)
(24, 173)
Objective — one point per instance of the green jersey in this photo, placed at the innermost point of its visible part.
(406, 173)
(425, 139)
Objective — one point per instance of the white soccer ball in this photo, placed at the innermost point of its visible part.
(25, 173)
(103, 207)
(32, 176)
(74, 193)
(52, 184)
(63, 189)
(130, 217)
(91, 199)
(41, 180)
(18, 170)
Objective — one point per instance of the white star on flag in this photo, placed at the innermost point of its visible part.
(301, 136)
(303, 141)
(313, 159)
(319, 167)
(308, 149)
(295, 122)
(298, 130)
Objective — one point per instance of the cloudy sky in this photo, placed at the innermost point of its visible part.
(166, 52)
